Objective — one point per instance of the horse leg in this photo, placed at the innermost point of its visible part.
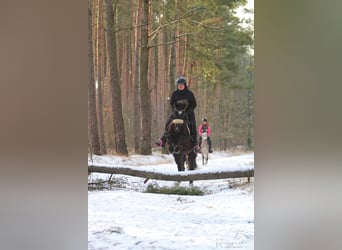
(191, 183)
(179, 145)
(179, 161)
(192, 160)
(182, 163)
(192, 164)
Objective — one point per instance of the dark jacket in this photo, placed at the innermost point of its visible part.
(184, 94)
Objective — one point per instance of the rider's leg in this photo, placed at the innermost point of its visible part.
(162, 141)
(193, 132)
(209, 142)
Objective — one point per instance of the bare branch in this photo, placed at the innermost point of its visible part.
(154, 33)
(204, 25)
(171, 42)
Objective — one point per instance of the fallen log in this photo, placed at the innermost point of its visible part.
(193, 175)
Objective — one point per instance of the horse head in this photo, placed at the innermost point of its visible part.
(178, 135)
(177, 125)
(180, 144)
(180, 118)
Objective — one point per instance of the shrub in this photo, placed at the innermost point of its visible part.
(174, 190)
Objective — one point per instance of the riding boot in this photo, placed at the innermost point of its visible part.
(197, 149)
(209, 142)
(162, 141)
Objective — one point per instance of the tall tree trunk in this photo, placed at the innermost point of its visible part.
(250, 120)
(185, 59)
(100, 76)
(250, 141)
(118, 124)
(145, 98)
(92, 116)
(136, 109)
(172, 66)
(178, 43)
(230, 114)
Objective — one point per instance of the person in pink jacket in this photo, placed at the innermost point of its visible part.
(204, 127)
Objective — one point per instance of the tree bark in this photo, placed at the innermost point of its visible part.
(145, 98)
(100, 76)
(194, 175)
(172, 66)
(118, 124)
(136, 81)
(92, 115)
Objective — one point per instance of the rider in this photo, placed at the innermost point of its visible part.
(182, 92)
(204, 127)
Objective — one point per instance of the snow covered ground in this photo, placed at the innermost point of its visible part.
(122, 216)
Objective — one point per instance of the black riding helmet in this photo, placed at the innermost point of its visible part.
(181, 80)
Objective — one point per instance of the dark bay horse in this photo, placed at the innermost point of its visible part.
(179, 139)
